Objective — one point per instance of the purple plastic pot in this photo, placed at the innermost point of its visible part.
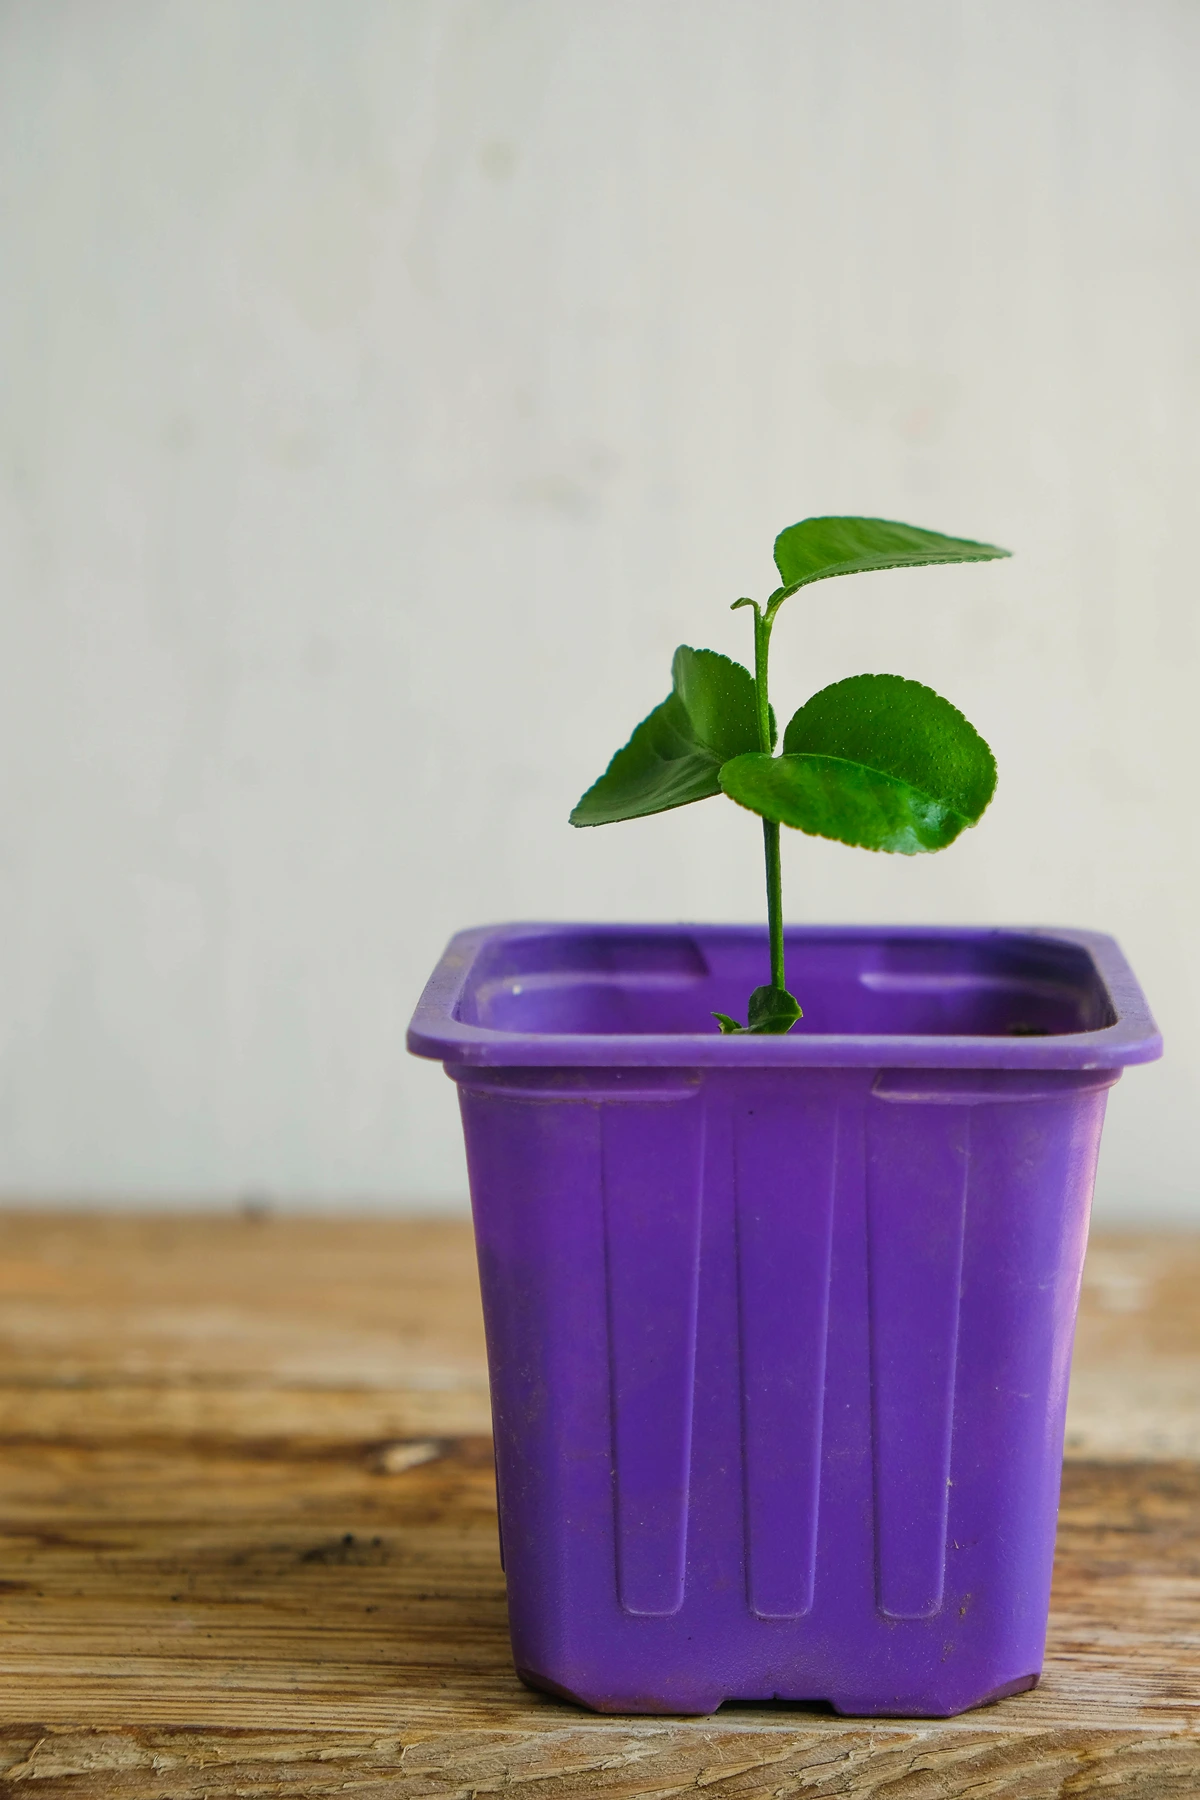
(779, 1328)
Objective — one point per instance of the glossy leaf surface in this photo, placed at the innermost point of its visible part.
(903, 729)
(876, 761)
(829, 798)
(818, 548)
(675, 755)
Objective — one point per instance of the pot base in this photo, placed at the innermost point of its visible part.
(698, 1706)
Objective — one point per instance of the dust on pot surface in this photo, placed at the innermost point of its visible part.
(779, 1327)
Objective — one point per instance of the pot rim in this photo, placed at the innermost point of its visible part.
(437, 1031)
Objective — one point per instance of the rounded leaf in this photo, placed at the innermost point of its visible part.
(901, 729)
(830, 798)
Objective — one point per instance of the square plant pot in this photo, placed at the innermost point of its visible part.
(779, 1328)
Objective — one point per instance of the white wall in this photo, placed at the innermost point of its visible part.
(387, 386)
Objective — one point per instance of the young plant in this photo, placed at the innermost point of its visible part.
(876, 761)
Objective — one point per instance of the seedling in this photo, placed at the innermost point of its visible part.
(876, 761)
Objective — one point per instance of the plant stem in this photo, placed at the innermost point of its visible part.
(774, 902)
(762, 645)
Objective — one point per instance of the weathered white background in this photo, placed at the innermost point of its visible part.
(387, 386)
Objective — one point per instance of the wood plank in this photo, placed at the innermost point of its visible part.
(251, 1607)
(200, 1324)
(279, 1585)
(1135, 1384)
(220, 1299)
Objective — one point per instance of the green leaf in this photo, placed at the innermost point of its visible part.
(675, 755)
(878, 762)
(903, 729)
(772, 1012)
(719, 697)
(833, 799)
(663, 765)
(817, 548)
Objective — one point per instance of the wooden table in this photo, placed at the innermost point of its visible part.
(249, 1543)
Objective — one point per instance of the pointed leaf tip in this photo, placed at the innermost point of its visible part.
(675, 755)
(815, 549)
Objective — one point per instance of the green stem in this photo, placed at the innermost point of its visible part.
(774, 902)
(762, 645)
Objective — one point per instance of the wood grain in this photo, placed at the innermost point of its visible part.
(245, 1550)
